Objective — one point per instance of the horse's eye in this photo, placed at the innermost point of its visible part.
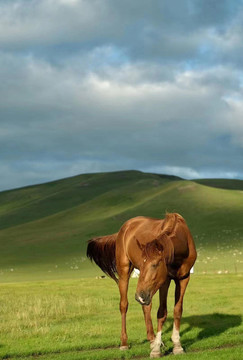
(154, 266)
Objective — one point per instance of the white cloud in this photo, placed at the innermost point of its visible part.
(234, 123)
(166, 31)
(184, 172)
(47, 21)
(61, 104)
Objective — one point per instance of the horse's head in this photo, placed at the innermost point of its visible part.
(153, 271)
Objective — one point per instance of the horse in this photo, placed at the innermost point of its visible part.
(163, 250)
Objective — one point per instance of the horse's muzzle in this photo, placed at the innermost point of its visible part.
(143, 298)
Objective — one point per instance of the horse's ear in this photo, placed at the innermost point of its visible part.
(141, 247)
(159, 246)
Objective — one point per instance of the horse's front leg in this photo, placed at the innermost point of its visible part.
(179, 294)
(161, 316)
(148, 322)
(123, 286)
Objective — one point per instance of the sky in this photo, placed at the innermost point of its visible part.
(105, 85)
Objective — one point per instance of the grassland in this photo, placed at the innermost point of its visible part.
(53, 306)
(44, 229)
(79, 319)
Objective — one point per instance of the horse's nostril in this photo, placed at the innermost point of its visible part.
(139, 299)
(143, 298)
(146, 298)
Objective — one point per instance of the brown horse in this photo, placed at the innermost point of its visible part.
(162, 250)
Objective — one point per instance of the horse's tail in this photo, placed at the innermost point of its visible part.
(102, 250)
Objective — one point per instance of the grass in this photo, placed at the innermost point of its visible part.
(79, 319)
(54, 307)
(222, 183)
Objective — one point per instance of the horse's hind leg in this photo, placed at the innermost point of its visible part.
(179, 294)
(161, 316)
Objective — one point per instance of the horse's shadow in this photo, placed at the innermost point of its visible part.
(210, 325)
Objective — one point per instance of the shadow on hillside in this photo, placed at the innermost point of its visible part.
(211, 325)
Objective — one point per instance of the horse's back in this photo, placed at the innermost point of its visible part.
(141, 228)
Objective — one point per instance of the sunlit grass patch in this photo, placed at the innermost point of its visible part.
(80, 319)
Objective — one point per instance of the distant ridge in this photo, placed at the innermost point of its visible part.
(42, 200)
(229, 184)
(122, 173)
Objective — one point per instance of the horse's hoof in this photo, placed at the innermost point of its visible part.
(155, 354)
(124, 347)
(178, 350)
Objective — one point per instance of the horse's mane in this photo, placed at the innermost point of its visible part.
(163, 242)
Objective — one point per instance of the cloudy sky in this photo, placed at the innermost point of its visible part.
(104, 85)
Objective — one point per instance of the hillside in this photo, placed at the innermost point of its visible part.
(222, 183)
(44, 228)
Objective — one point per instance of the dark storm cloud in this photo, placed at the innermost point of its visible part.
(102, 85)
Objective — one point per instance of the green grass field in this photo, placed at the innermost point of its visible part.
(79, 319)
(54, 307)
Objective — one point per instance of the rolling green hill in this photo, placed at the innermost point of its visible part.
(44, 228)
(222, 183)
